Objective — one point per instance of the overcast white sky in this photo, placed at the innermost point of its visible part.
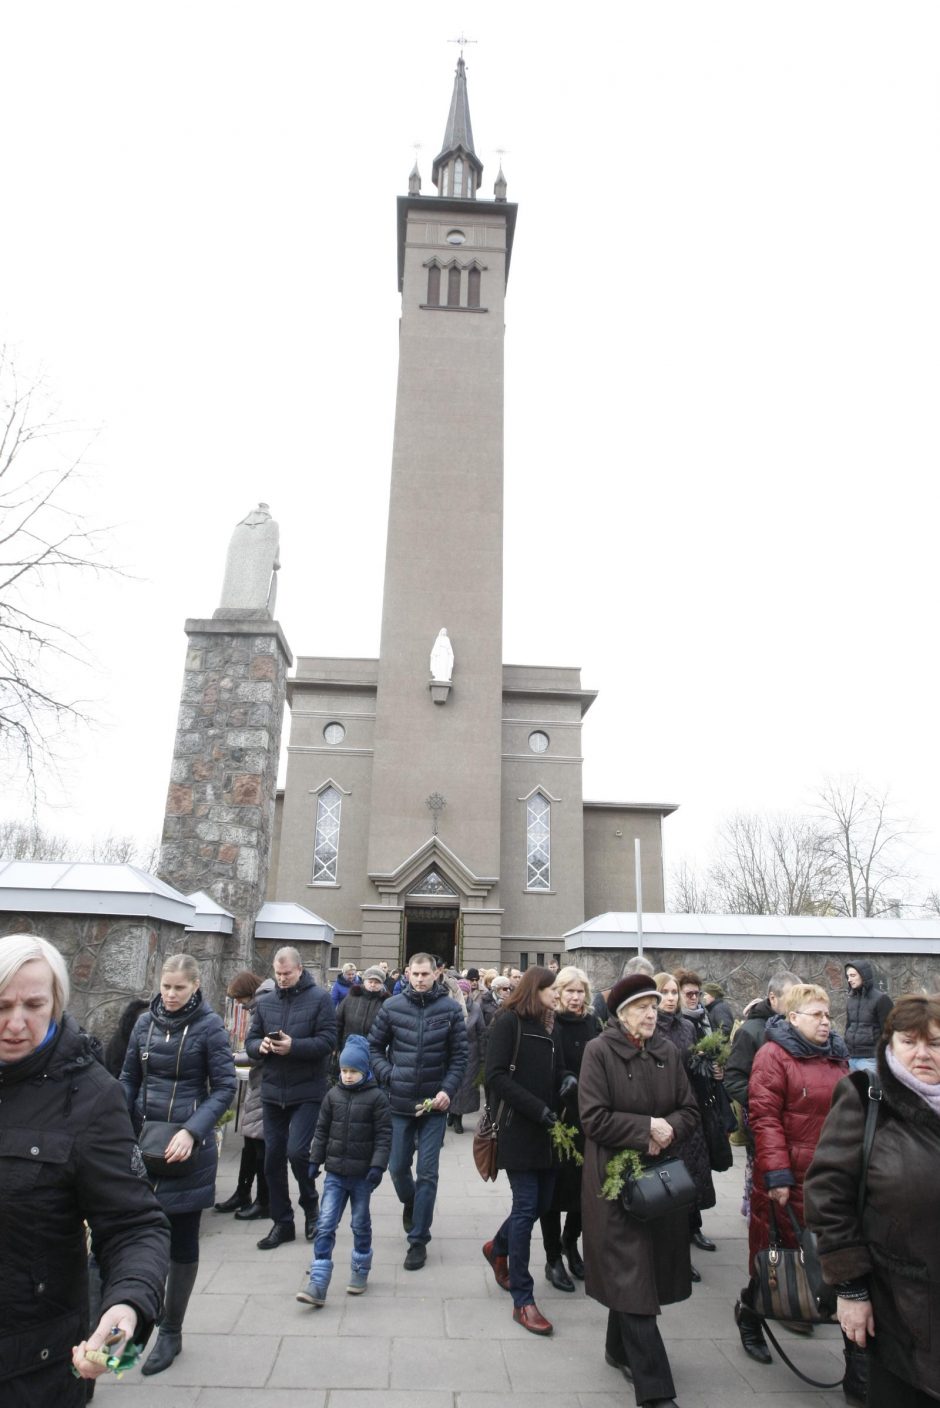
(722, 359)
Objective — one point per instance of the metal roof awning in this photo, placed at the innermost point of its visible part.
(760, 932)
(281, 919)
(85, 887)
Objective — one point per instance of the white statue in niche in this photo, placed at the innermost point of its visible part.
(442, 658)
(252, 564)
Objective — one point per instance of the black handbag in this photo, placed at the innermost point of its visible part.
(155, 1135)
(664, 1187)
(790, 1283)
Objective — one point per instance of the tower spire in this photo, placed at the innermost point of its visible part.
(457, 169)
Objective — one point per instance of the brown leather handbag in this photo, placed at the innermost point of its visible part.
(485, 1135)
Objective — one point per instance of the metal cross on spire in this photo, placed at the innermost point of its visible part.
(462, 40)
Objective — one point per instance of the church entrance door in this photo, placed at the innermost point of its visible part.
(432, 931)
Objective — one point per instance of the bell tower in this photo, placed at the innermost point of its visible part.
(444, 556)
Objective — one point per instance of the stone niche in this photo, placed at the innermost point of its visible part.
(744, 974)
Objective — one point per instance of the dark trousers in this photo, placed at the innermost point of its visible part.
(251, 1167)
(886, 1390)
(532, 1191)
(288, 1134)
(635, 1340)
(423, 1135)
(552, 1235)
(184, 1236)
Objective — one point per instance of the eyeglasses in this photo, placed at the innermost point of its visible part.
(691, 992)
(818, 1017)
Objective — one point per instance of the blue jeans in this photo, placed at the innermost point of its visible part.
(337, 1192)
(288, 1134)
(532, 1191)
(426, 1134)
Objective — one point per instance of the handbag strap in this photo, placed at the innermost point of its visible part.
(815, 1383)
(875, 1094)
(145, 1062)
(512, 1067)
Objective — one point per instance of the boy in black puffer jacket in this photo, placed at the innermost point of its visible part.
(353, 1139)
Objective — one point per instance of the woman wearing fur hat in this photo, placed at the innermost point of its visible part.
(634, 1094)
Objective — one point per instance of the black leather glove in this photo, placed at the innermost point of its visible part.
(374, 1176)
(549, 1118)
(568, 1087)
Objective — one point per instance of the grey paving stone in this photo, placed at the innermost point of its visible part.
(415, 1365)
(282, 1315)
(222, 1361)
(271, 1398)
(214, 1315)
(305, 1364)
(392, 1398)
(374, 1314)
(558, 1363)
(139, 1393)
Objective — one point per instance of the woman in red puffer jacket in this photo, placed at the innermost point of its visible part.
(792, 1080)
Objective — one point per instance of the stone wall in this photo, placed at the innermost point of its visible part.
(744, 973)
(219, 822)
(114, 958)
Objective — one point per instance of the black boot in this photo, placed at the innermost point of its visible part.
(179, 1287)
(575, 1264)
(457, 1125)
(855, 1383)
(556, 1273)
(752, 1335)
(242, 1195)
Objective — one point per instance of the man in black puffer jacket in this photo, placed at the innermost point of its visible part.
(418, 1045)
(865, 1011)
(293, 1030)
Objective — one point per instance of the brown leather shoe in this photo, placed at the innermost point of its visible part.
(500, 1265)
(532, 1319)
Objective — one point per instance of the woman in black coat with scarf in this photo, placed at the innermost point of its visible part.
(190, 1081)
(525, 1080)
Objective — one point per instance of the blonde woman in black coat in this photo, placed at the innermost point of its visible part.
(525, 1072)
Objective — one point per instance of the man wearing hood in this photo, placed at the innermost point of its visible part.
(418, 1045)
(752, 1033)
(865, 1011)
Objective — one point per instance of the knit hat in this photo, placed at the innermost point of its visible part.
(714, 990)
(464, 986)
(633, 986)
(473, 975)
(355, 1055)
(374, 973)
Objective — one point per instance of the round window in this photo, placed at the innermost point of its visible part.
(455, 236)
(334, 733)
(538, 741)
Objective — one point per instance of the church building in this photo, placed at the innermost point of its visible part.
(433, 796)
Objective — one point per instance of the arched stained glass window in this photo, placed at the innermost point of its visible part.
(434, 285)
(473, 288)
(453, 287)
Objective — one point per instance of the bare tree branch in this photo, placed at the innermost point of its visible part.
(43, 539)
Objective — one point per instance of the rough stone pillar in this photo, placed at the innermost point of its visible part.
(219, 819)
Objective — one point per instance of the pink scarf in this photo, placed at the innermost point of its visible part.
(930, 1094)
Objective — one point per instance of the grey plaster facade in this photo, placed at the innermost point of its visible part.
(506, 858)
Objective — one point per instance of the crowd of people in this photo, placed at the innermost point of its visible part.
(103, 1182)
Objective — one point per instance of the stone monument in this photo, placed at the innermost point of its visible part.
(219, 818)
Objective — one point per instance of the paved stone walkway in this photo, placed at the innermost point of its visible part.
(444, 1337)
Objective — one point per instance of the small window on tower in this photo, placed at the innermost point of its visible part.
(445, 181)
(458, 176)
(434, 285)
(453, 287)
(473, 288)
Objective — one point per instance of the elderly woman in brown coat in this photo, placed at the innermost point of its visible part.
(634, 1094)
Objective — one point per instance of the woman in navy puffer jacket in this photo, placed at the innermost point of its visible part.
(190, 1081)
